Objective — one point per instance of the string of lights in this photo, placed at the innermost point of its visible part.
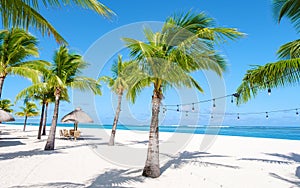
(296, 110)
(233, 95)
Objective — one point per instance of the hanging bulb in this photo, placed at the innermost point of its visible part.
(238, 116)
(212, 117)
(214, 104)
(297, 113)
(267, 116)
(269, 91)
(177, 108)
(164, 110)
(231, 98)
(193, 108)
(186, 113)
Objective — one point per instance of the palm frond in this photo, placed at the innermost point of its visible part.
(270, 75)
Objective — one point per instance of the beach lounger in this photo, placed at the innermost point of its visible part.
(66, 133)
(76, 134)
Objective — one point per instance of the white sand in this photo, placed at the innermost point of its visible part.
(228, 162)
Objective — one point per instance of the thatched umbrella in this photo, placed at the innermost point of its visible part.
(77, 116)
(5, 116)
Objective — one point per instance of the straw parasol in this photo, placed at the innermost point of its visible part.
(77, 116)
(5, 116)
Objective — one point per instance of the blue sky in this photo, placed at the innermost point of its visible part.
(82, 28)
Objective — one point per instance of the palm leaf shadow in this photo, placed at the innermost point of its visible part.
(116, 178)
(186, 157)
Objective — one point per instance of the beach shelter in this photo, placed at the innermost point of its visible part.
(5, 116)
(77, 116)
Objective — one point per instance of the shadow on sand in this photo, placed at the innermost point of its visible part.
(117, 177)
(54, 185)
(192, 158)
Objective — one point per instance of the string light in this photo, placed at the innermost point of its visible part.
(297, 113)
(193, 108)
(267, 116)
(186, 113)
(177, 108)
(214, 103)
(238, 116)
(269, 91)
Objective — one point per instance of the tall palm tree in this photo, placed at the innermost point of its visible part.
(25, 13)
(118, 85)
(30, 110)
(65, 73)
(286, 71)
(166, 59)
(16, 46)
(6, 105)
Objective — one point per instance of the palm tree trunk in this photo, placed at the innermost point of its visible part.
(1, 84)
(151, 168)
(25, 123)
(41, 121)
(45, 119)
(51, 138)
(116, 119)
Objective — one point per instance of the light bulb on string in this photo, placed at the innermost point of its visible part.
(269, 91)
(177, 108)
(238, 116)
(267, 115)
(297, 113)
(186, 113)
(214, 103)
(212, 117)
(193, 108)
(231, 98)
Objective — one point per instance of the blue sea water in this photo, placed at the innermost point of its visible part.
(277, 132)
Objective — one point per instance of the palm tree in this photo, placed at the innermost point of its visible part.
(166, 59)
(288, 8)
(25, 13)
(286, 71)
(118, 85)
(28, 111)
(6, 105)
(65, 73)
(16, 46)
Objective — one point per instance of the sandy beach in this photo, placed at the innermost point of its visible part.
(88, 162)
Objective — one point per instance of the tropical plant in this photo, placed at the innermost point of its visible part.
(25, 13)
(118, 85)
(166, 59)
(65, 73)
(6, 105)
(286, 71)
(30, 110)
(289, 9)
(16, 46)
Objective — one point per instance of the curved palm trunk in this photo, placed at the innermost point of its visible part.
(151, 168)
(51, 138)
(41, 121)
(45, 119)
(116, 119)
(1, 84)
(25, 123)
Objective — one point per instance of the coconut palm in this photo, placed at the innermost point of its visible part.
(6, 105)
(65, 73)
(288, 8)
(25, 13)
(118, 85)
(16, 46)
(166, 59)
(284, 72)
(30, 110)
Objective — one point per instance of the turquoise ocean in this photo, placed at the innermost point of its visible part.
(276, 132)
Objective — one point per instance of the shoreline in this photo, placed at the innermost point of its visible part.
(286, 132)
